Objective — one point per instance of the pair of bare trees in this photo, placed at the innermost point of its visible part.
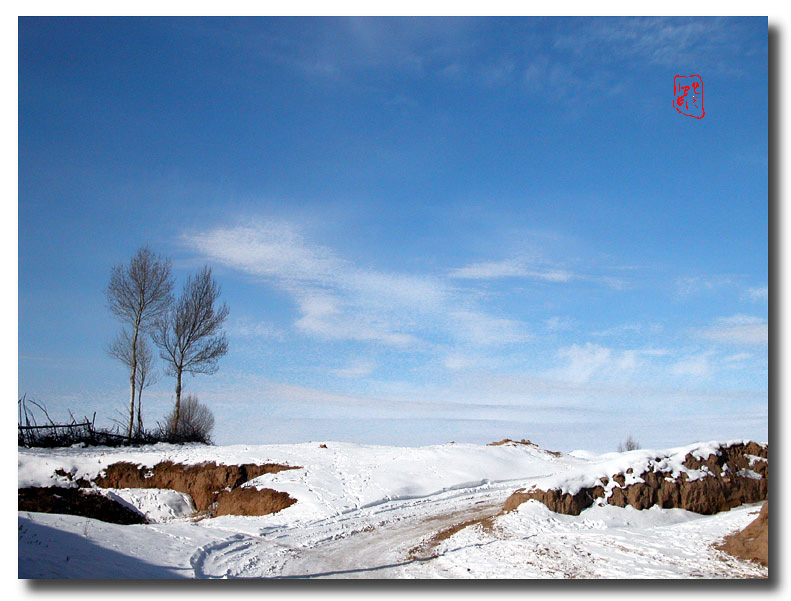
(187, 330)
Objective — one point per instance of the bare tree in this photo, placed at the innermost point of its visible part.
(146, 376)
(189, 335)
(138, 294)
(629, 445)
(194, 423)
(121, 348)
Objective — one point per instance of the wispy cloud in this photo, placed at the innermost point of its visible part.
(330, 317)
(630, 329)
(338, 300)
(757, 295)
(244, 327)
(687, 287)
(530, 268)
(663, 41)
(486, 330)
(738, 358)
(458, 361)
(696, 366)
(737, 330)
(583, 362)
(358, 368)
(487, 270)
(560, 324)
(510, 268)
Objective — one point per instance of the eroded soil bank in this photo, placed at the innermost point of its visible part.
(215, 488)
(251, 501)
(203, 482)
(752, 543)
(75, 501)
(737, 474)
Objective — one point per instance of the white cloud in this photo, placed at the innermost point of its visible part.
(457, 361)
(488, 270)
(697, 366)
(248, 328)
(557, 323)
(655, 352)
(663, 41)
(630, 329)
(738, 330)
(758, 294)
(331, 317)
(738, 357)
(531, 268)
(356, 369)
(556, 275)
(338, 300)
(697, 285)
(482, 329)
(510, 268)
(627, 362)
(585, 362)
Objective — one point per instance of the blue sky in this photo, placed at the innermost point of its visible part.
(426, 229)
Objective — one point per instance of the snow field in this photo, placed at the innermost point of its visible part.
(362, 508)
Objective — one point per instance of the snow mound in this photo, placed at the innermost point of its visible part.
(156, 504)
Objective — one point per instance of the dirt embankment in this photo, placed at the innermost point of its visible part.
(73, 501)
(215, 489)
(556, 500)
(251, 501)
(736, 474)
(205, 482)
(752, 543)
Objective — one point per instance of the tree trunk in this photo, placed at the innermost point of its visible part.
(178, 401)
(139, 410)
(132, 381)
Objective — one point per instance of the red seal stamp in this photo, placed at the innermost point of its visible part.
(688, 95)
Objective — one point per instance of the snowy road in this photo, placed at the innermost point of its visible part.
(372, 542)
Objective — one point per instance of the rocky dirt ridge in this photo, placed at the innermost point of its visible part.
(703, 482)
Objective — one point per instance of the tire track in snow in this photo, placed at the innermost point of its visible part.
(370, 542)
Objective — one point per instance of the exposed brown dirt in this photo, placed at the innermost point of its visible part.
(555, 500)
(75, 501)
(203, 482)
(509, 441)
(249, 501)
(425, 550)
(752, 543)
(215, 489)
(721, 488)
(524, 442)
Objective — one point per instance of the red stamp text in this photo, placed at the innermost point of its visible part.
(688, 95)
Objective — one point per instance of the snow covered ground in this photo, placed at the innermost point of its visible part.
(361, 512)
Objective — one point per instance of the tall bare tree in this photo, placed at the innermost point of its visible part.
(189, 335)
(121, 348)
(146, 376)
(138, 294)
